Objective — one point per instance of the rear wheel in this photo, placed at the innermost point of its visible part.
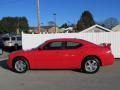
(90, 65)
(20, 65)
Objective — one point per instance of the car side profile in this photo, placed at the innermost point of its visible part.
(62, 53)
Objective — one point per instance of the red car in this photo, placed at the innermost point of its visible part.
(64, 53)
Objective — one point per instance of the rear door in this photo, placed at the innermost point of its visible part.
(72, 55)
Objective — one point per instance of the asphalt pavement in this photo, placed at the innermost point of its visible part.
(108, 78)
(4, 55)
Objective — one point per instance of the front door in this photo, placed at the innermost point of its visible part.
(50, 56)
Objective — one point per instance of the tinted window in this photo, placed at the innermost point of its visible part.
(19, 38)
(53, 46)
(73, 45)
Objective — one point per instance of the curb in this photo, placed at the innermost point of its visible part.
(1, 59)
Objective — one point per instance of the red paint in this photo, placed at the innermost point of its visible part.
(64, 58)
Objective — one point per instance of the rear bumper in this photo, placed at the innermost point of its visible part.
(107, 59)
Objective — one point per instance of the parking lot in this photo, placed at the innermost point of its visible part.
(108, 78)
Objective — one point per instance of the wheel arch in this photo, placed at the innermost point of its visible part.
(92, 56)
(23, 58)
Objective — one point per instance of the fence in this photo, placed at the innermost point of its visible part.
(33, 40)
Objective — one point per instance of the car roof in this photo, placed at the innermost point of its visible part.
(68, 39)
(72, 40)
(64, 39)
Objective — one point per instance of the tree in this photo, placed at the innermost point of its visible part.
(10, 24)
(23, 24)
(86, 21)
(65, 25)
(72, 25)
(110, 22)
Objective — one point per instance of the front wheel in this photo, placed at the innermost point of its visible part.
(20, 65)
(90, 65)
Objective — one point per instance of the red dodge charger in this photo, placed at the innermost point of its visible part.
(62, 53)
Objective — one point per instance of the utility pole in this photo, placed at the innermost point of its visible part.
(38, 15)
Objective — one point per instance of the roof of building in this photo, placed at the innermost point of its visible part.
(116, 28)
(98, 26)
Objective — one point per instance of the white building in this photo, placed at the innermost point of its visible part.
(116, 28)
(96, 28)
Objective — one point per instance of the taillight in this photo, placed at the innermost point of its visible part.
(108, 51)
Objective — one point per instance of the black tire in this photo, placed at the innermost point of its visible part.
(90, 65)
(20, 65)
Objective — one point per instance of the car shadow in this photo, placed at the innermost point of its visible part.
(77, 70)
(3, 64)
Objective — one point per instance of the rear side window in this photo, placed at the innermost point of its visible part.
(73, 45)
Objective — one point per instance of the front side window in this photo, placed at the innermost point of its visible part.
(73, 45)
(54, 46)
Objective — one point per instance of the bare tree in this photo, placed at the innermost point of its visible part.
(110, 22)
